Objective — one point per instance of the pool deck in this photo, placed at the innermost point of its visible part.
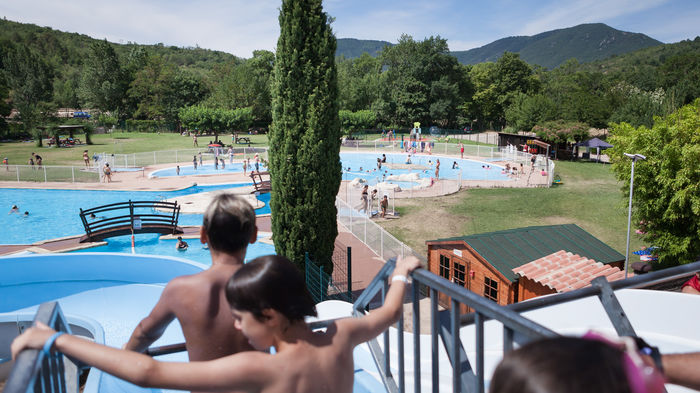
(366, 263)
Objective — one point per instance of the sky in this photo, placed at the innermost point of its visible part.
(241, 26)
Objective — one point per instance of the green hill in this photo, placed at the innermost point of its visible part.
(66, 50)
(586, 43)
(351, 48)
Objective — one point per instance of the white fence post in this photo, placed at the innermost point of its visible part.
(72, 171)
(45, 180)
(17, 171)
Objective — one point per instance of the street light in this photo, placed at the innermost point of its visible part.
(634, 158)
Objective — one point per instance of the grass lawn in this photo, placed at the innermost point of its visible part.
(589, 197)
(117, 142)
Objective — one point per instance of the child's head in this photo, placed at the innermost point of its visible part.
(270, 282)
(562, 364)
(229, 223)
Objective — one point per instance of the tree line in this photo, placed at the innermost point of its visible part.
(407, 82)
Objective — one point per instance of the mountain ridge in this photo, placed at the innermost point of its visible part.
(585, 42)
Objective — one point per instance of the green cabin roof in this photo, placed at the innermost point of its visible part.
(506, 250)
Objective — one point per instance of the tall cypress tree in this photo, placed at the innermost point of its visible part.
(305, 135)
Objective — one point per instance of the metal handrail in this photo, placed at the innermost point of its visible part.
(34, 371)
(640, 281)
(444, 326)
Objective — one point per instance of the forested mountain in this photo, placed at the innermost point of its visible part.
(61, 49)
(351, 48)
(587, 42)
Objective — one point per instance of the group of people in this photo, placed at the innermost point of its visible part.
(367, 199)
(15, 210)
(266, 300)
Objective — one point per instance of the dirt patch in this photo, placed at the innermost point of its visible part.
(425, 219)
(556, 220)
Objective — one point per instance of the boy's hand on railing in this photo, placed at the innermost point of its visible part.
(33, 338)
(405, 265)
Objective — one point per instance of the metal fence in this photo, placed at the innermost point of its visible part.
(375, 237)
(399, 146)
(445, 325)
(174, 156)
(323, 286)
(44, 173)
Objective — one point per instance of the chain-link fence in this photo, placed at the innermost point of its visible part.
(44, 173)
(375, 237)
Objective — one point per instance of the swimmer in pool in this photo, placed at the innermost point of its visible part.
(181, 244)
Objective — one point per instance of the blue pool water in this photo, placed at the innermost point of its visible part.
(364, 165)
(151, 244)
(206, 169)
(55, 213)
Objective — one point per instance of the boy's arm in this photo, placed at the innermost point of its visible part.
(235, 372)
(152, 327)
(682, 369)
(378, 320)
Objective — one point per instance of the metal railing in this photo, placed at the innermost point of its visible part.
(444, 326)
(36, 372)
(49, 173)
(322, 285)
(141, 159)
(399, 146)
(370, 233)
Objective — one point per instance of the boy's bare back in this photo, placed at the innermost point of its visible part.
(199, 303)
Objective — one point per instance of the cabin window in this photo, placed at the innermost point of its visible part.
(460, 273)
(491, 289)
(444, 267)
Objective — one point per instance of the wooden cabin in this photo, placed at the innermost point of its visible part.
(484, 263)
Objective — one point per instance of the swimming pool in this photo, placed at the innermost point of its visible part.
(148, 243)
(364, 165)
(206, 169)
(55, 213)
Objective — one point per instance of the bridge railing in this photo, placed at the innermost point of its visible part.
(137, 214)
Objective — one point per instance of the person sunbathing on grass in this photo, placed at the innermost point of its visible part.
(268, 300)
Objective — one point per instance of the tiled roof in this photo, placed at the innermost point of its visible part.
(506, 250)
(564, 271)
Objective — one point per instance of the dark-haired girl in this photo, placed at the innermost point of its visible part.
(269, 302)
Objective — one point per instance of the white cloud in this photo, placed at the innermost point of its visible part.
(235, 26)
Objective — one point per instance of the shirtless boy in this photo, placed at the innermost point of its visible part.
(198, 301)
(269, 301)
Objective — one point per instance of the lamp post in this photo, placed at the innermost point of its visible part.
(634, 158)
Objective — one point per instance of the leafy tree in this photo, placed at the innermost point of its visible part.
(102, 86)
(359, 82)
(244, 84)
(666, 197)
(354, 121)
(422, 82)
(526, 111)
(560, 132)
(30, 82)
(305, 135)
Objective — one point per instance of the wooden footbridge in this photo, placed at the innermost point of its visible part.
(126, 218)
